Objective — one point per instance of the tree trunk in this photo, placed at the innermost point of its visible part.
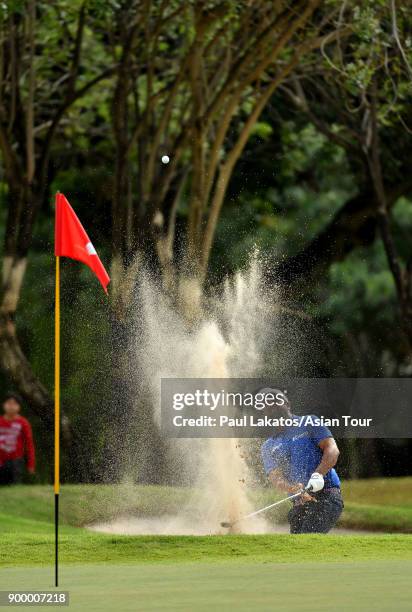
(401, 274)
(21, 216)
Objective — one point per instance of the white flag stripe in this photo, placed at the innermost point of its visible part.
(90, 249)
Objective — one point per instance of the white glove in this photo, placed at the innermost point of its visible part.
(316, 483)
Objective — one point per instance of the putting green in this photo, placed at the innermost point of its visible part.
(183, 573)
(373, 585)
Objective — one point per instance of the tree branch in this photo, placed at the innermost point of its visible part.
(30, 152)
(354, 225)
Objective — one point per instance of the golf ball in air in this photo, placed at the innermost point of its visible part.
(165, 159)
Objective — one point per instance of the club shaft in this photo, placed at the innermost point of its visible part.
(277, 503)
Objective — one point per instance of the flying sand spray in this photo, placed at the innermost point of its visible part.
(227, 341)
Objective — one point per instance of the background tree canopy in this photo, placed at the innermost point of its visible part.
(288, 127)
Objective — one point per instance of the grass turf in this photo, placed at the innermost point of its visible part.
(379, 504)
(260, 587)
(30, 542)
(147, 573)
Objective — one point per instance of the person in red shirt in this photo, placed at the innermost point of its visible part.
(16, 442)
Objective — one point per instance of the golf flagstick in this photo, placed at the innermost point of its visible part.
(56, 421)
(70, 240)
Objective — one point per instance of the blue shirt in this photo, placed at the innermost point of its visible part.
(296, 453)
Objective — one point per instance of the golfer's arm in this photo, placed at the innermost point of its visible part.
(279, 482)
(330, 455)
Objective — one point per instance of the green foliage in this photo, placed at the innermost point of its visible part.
(377, 52)
(361, 287)
(290, 182)
(262, 129)
(312, 181)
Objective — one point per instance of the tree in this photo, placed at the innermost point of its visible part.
(192, 80)
(44, 70)
(360, 99)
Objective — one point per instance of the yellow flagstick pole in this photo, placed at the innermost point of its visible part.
(57, 418)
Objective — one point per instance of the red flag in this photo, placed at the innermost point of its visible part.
(72, 241)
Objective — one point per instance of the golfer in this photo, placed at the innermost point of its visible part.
(298, 456)
(16, 442)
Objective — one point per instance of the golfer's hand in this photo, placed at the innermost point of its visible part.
(305, 497)
(316, 482)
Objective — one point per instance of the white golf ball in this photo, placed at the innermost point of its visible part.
(165, 159)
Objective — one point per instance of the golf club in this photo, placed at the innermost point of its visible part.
(228, 524)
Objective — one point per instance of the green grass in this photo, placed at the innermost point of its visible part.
(261, 587)
(379, 504)
(82, 504)
(391, 519)
(26, 515)
(379, 491)
(375, 504)
(183, 573)
(31, 543)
